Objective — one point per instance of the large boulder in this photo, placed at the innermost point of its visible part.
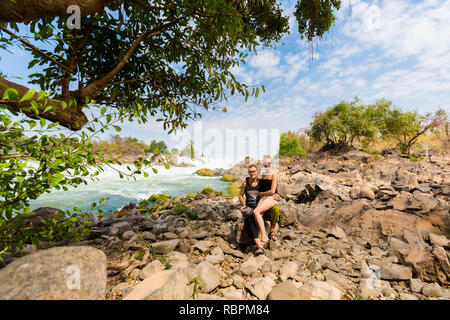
(60, 273)
(165, 285)
(319, 290)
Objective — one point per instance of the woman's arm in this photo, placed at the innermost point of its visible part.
(273, 187)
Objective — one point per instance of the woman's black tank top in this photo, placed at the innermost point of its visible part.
(265, 185)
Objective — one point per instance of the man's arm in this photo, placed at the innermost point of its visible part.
(241, 195)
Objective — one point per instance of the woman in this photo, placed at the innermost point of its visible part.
(269, 199)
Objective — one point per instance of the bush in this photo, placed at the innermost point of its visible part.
(233, 190)
(211, 191)
(205, 172)
(290, 146)
(228, 178)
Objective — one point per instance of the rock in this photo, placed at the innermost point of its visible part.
(416, 285)
(201, 235)
(280, 254)
(366, 289)
(215, 259)
(203, 246)
(286, 290)
(165, 285)
(233, 294)
(314, 266)
(122, 289)
(288, 235)
(288, 214)
(253, 264)
(150, 269)
(407, 296)
(260, 287)
(238, 281)
(391, 271)
(341, 281)
(432, 290)
(165, 246)
(439, 240)
(224, 283)
(59, 273)
(235, 215)
(127, 235)
(337, 232)
(376, 252)
(119, 228)
(178, 260)
(147, 235)
(319, 290)
(209, 276)
(367, 192)
(288, 270)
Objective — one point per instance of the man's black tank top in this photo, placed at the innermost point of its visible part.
(251, 193)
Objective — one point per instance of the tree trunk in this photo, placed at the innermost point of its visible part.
(28, 10)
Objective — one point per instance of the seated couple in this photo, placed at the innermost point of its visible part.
(260, 195)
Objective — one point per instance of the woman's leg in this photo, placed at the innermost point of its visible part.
(263, 206)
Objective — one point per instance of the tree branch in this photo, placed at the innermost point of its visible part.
(26, 43)
(29, 10)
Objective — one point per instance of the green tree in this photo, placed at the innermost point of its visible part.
(131, 60)
(343, 124)
(407, 127)
(290, 146)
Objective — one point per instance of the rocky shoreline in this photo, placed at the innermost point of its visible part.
(351, 228)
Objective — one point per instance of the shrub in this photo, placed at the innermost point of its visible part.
(205, 172)
(228, 178)
(290, 146)
(211, 191)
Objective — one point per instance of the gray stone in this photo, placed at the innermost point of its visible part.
(367, 290)
(407, 296)
(232, 294)
(127, 235)
(288, 270)
(439, 240)
(337, 232)
(209, 276)
(165, 246)
(59, 273)
(391, 271)
(416, 285)
(215, 259)
(238, 281)
(150, 269)
(261, 287)
(319, 290)
(286, 290)
(165, 285)
(203, 246)
(147, 235)
(119, 228)
(366, 192)
(432, 290)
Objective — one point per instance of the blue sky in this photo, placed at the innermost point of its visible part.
(392, 49)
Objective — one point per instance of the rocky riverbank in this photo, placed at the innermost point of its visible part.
(351, 228)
